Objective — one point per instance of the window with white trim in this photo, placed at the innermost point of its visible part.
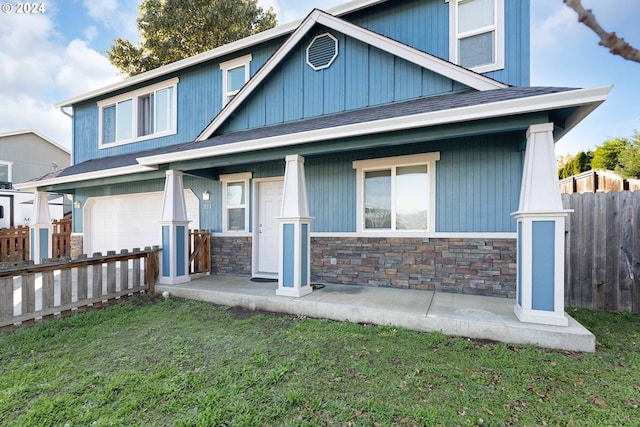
(235, 202)
(146, 113)
(477, 34)
(397, 193)
(235, 74)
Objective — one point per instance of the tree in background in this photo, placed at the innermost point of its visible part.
(629, 159)
(574, 165)
(606, 155)
(176, 29)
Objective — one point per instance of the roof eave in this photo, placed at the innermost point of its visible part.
(586, 99)
(105, 173)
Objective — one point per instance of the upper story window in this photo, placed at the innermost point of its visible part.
(5, 171)
(477, 34)
(396, 194)
(235, 202)
(235, 74)
(146, 113)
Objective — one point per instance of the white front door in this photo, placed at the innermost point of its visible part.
(269, 205)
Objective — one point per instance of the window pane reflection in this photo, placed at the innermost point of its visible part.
(377, 199)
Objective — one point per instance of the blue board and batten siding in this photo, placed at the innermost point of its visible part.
(361, 76)
(425, 26)
(477, 185)
(199, 99)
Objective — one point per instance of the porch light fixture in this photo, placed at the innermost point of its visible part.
(206, 196)
(76, 204)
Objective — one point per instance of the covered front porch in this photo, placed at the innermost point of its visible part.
(470, 316)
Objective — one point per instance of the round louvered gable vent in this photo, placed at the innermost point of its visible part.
(322, 51)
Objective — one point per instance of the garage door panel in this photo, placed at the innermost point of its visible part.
(114, 223)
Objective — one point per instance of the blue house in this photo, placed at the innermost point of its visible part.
(381, 143)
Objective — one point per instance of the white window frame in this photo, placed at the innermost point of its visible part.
(363, 166)
(230, 179)
(497, 27)
(9, 166)
(134, 96)
(225, 67)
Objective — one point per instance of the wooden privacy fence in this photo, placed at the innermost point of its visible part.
(602, 267)
(14, 244)
(199, 251)
(61, 238)
(41, 291)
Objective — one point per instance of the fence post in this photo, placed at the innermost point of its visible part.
(6, 301)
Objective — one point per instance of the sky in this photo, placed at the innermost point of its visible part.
(57, 53)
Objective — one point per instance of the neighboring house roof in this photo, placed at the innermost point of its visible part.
(39, 135)
(218, 52)
(423, 112)
(408, 53)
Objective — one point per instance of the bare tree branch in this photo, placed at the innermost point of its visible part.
(616, 45)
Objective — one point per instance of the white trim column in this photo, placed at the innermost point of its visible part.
(540, 220)
(294, 225)
(175, 232)
(40, 228)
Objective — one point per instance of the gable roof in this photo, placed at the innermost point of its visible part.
(408, 53)
(247, 42)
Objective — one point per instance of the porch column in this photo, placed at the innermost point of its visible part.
(540, 220)
(40, 228)
(175, 232)
(293, 230)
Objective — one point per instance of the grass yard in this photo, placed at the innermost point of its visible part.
(184, 363)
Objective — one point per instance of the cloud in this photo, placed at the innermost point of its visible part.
(554, 25)
(37, 69)
(118, 16)
(83, 69)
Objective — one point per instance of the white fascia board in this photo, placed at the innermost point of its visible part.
(105, 173)
(547, 102)
(227, 49)
(422, 59)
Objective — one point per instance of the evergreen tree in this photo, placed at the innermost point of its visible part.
(629, 159)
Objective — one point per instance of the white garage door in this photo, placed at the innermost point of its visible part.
(130, 221)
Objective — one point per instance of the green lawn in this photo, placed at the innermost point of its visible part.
(186, 363)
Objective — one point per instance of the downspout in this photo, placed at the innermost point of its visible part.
(70, 115)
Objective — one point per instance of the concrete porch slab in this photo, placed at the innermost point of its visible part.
(452, 314)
